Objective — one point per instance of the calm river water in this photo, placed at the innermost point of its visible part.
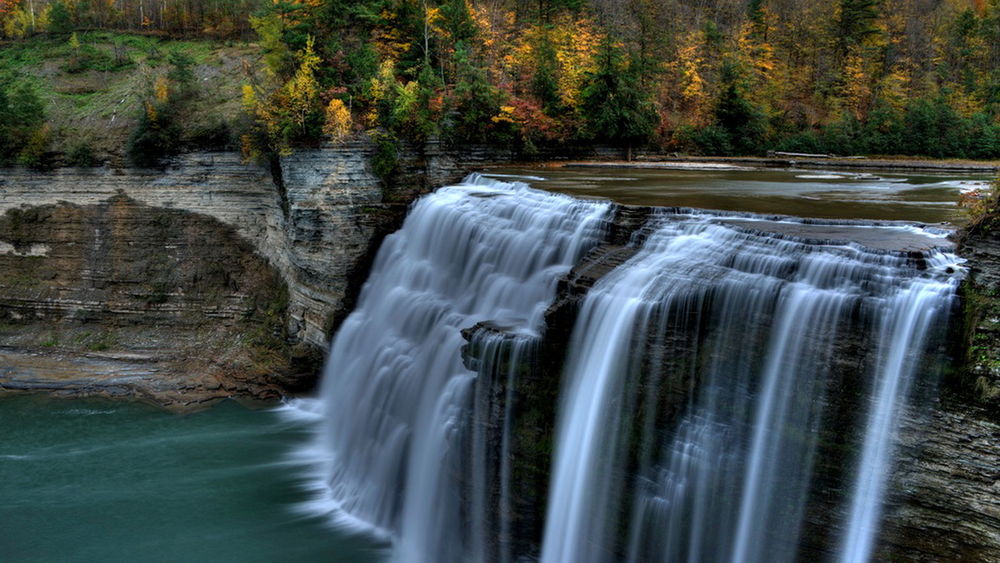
(84, 480)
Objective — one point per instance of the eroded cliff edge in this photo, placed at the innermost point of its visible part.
(210, 278)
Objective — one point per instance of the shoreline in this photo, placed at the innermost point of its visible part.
(746, 162)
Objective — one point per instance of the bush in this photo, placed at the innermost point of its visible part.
(156, 136)
(22, 114)
(82, 155)
(385, 161)
(212, 136)
(711, 140)
(88, 57)
(35, 152)
(805, 142)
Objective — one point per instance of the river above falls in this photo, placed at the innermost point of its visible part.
(925, 197)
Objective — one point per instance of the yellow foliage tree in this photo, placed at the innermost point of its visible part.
(693, 90)
(337, 123)
(302, 91)
(576, 46)
(161, 88)
(857, 90)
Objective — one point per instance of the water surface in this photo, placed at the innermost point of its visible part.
(831, 194)
(84, 480)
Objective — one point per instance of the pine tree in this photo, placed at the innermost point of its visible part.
(614, 106)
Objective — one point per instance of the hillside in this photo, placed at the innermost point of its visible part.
(93, 95)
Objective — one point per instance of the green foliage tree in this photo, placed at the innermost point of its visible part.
(742, 121)
(475, 102)
(156, 136)
(544, 84)
(614, 107)
(60, 19)
(22, 114)
(278, 57)
(182, 69)
(856, 21)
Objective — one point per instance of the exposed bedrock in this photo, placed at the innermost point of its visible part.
(316, 229)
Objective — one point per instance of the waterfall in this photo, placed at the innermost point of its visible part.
(706, 382)
(908, 318)
(395, 391)
(765, 324)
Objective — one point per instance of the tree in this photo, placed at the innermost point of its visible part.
(856, 22)
(337, 124)
(60, 20)
(544, 84)
(742, 121)
(22, 114)
(475, 102)
(614, 107)
(302, 92)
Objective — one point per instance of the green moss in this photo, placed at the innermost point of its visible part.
(985, 390)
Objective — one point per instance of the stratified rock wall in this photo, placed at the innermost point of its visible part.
(87, 252)
(337, 212)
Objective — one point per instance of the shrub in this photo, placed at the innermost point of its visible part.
(82, 155)
(711, 140)
(156, 136)
(88, 57)
(35, 152)
(22, 113)
(385, 161)
(338, 120)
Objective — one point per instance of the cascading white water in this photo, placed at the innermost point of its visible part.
(731, 481)
(695, 386)
(908, 318)
(395, 388)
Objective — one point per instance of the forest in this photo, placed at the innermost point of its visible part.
(713, 77)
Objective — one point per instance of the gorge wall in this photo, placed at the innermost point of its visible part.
(162, 263)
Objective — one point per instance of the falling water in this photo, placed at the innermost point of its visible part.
(766, 323)
(908, 318)
(395, 389)
(697, 381)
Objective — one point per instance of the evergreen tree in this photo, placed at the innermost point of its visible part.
(475, 102)
(856, 22)
(742, 121)
(60, 20)
(614, 106)
(22, 113)
(544, 85)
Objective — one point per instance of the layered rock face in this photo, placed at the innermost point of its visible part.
(120, 298)
(178, 234)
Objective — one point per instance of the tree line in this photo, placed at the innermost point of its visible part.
(725, 77)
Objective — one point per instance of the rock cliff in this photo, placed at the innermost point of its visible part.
(177, 253)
